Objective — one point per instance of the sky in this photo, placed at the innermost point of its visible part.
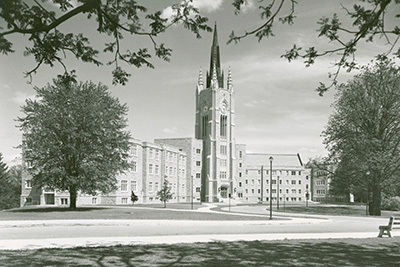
(277, 107)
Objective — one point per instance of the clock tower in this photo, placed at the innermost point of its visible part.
(215, 112)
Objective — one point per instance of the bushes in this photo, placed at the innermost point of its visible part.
(392, 203)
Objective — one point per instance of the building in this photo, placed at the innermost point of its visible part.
(210, 167)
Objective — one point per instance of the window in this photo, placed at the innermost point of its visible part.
(170, 171)
(293, 172)
(134, 166)
(306, 186)
(133, 186)
(280, 191)
(293, 191)
(223, 125)
(287, 191)
(223, 162)
(198, 163)
(299, 172)
(273, 191)
(157, 154)
(299, 191)
(293, 181)
(252, 191)
(28, 184)
(204, 125)
(247, 191)
(223, 150)
(157, 169)
(198, 189)
(198, 175)
(267, 190)
(240, 165)
(259, 191)
(240, 184)
(240, 195)
(134, 150)
(287, 182)
(150, 186)
(124, 200)
(258, 181)
(240, 174)
(247, 181)
(240, 154)
(299, 181)
(151, 168)
(124, 185)
(94, 200)
(151, 153)
(29, 200)
(222, 175)
(198, 151)
(273, 181)
(259, 171)
(252, 181)
(156, 186)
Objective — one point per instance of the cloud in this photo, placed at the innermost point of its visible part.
(247, 6)
(206, 6)
(170, 130)
(20, 97)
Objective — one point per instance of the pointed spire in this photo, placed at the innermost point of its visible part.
(230, 82)
(215, 61)
(200, 81)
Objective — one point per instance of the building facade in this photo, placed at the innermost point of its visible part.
(210, 167)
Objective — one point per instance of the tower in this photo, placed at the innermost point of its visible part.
(215, 111)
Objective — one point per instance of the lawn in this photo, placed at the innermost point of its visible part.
(327, 252)
(149, 212)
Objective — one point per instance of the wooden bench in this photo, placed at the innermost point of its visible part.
(385, 229)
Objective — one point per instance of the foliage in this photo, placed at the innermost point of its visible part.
(165, 193)
(40, 22)
(10, 185)
(74, 137)
(134, 197)
(363, 135)
(367, 20)
(392, 203)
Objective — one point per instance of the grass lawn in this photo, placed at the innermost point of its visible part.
(328, 252)
(150, 212)
(323, 209)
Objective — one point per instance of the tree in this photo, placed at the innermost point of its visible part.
(40, 22)
(364, 132)
(4, 184)
(366, 21)
(165, 193)
(74, 137)
(134, 197)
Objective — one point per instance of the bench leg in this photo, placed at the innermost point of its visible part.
(380, 233)
(388, 231)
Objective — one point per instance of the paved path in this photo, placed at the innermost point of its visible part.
(70, 233)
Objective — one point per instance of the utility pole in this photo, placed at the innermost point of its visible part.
(262, 183)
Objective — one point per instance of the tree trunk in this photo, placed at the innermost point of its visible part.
(165, 204)
(72, 197)
(376, 200)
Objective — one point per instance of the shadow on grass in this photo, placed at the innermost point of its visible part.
(330, 252)
(54, 209)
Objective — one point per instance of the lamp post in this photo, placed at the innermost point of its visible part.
(367, 204)
(307, 195)
(270, 187)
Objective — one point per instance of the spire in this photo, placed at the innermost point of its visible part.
(230, 82)
(215, 61)
(200, 81)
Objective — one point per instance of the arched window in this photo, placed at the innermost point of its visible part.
(223, 125)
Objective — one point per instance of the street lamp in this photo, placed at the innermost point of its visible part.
(277, 192)
(262, 184)
(367, 204)
(270, 187)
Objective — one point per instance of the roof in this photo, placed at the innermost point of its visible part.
(279, 160)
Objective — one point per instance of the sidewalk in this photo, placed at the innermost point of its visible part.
(17, 244)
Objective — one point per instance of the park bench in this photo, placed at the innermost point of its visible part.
(385, 229)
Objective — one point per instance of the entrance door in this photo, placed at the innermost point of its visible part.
(49, 199)
(224, 192)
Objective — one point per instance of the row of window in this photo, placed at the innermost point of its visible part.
(293, 182)
(240, 195)
(320, 192)
(293, 191)
(275, 172)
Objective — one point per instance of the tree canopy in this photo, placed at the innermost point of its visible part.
(367, 20)
(74, 138)
(363, 135)
(165, 193)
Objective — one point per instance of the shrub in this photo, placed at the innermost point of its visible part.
(392, 203)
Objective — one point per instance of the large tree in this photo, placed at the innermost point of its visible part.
(363, 134)
(40, 20)
(74, 137)
(4, 184)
